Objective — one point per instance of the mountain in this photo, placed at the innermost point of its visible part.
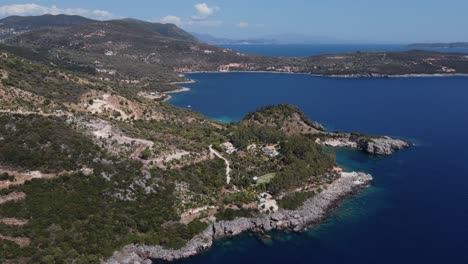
(127, 50)
(209, 39)
(270, 39)
(15, 25)
(439, 45)
(292, 38)
(153, 55)
(165, 30)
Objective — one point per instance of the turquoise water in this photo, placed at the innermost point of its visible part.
(416, 210)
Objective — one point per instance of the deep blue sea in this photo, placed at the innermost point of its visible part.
(416, 210)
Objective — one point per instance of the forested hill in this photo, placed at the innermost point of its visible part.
(15, 25)
(153, 55)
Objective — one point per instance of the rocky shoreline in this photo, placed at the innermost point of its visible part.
(379, 75)
(371, 145)
(311, 213)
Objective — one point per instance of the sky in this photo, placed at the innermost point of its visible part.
(366, 21)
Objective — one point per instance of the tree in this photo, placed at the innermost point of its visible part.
(145, 154)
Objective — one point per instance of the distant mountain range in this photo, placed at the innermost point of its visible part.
(440, 45)
(153, 54)
(16, 25)
(209, 39)
(271, 39)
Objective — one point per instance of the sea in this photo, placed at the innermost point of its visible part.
(415, 211)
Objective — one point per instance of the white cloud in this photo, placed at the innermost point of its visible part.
(198, 20)
(243, 24)
(34, 9)
(171, 19)
(204, 11)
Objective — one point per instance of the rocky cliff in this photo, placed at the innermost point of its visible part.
(372, 145)
(312, 212)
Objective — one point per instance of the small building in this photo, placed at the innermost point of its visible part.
(251, 147)
(255, 179)
(228, 147)
(270, 151)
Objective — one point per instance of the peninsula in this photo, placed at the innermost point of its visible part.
(95, 166)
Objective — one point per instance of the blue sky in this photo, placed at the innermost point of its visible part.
(390, 21)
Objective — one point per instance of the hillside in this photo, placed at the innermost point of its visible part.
(128, 51)
(288, 118)
(97, 165)
(152, 55)
(15, 25)
(292, 121)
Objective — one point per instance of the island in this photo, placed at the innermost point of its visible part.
(96, 166)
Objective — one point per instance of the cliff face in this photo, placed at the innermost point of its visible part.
(312, 212)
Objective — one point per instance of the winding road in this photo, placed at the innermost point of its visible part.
(228, 166)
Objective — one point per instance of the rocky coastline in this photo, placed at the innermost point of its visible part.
(372, 145)
(311, 213)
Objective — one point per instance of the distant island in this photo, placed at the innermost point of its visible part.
(439, 45)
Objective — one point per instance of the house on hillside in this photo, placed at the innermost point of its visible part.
(228, 147)
(270, 151)
(251, 147)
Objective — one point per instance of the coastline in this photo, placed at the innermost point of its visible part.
(184, 82)
(344, 76)
(311, 213)
(360, 75)
(180, 90)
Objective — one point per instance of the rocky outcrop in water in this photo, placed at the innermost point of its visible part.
(382, 145)
(372, 145)
(312, 212)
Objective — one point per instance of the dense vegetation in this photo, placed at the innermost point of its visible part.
(243, 136)
(76, 218)
(43, 143)
(231, 214)
(73, 218)
(278, 115)
(304, 162)
(48, 82)
(205, 178)
(294, 200)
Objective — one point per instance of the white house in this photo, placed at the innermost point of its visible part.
(270, 151)
(228, 147)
